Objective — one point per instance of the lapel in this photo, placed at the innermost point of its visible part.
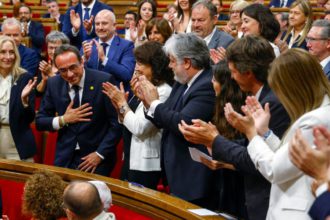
(14, 92)
(95, 9)
(64, 98)
(94, 58)
(89, 88)
(265, 90)
(214, 39)
(113, 47)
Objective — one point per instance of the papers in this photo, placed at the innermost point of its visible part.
(197, 154)
(202, 212)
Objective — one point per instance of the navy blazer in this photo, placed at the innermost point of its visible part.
(277, 3)
(20, 118)
(220, 39)
(29, 59)
(37, 35)
(101, 134)
(61, 19)
(326, 70)
(303, 45)
(82, 35)
(320, 209)
(187, 179)
(257, 188)
(121, 60)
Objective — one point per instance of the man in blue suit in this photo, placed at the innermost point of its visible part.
(29, 58)
(192, 97)
(108, 52)
(31, 28)
(318, 43)
(86, 121)
(280, 3)
(54, 12)
(78, 21)
(204, 19)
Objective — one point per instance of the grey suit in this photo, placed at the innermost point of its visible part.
(326, 70)
(220, 39)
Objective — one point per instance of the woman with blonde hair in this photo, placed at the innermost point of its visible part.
(234, 24)
(300, 22)
(299, 83)
(16, 105)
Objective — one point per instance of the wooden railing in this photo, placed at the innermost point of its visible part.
(145, 201)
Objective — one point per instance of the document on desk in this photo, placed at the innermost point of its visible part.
(197, 154)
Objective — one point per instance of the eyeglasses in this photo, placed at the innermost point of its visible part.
(310, 39)
(71, 68)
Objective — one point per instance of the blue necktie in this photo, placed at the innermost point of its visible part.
(104, 45)
(76, 102)
(86, 16)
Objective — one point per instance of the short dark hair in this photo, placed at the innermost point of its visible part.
(50, 1)
(25, 6)
(208, 5)
(153, 5)
(151, 53)
(325, 25)
(251, 53)
(67, 48)
(162, 26)
(131, 13)
(268, 25)
(87, 205)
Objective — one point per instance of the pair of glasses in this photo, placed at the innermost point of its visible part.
(310, 39)
(71, 68)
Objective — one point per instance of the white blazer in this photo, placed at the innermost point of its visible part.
(146, 137)
(290, 196)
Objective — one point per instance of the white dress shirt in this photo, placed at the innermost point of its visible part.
(5, 89)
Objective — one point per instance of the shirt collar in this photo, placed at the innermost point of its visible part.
(91, 5)
(257, 95)
(108, 42)
(194, 78)
(325, 61)
(209, 37)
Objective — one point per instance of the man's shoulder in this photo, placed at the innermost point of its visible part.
(122, 42)
(23, 50)
(101, 5)
(98, 75)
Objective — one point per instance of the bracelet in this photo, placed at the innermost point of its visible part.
(267, 134)
(62, 121)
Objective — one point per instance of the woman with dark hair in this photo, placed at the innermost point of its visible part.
(258, 19)
(142, 145)
(182, 23)
(158, 30)
(147, 9)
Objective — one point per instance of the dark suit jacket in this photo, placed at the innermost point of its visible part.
(29, 59)
(121, 61)
(303, 45)
(82, 35)
(101, 134)
(187, 179)
(326, 70)
(37, 35)
(257, 188)
(277, 3)
(220, 39)
(61, 19)
(320, 208)
(20, 118)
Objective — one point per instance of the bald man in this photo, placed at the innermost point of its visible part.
(82, 201)
(108, 52)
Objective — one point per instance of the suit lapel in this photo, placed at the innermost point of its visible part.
(113, 48)
(213, 41)
(89, 88)
(64, 95)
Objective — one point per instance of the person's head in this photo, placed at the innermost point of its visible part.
(81, 200)
(152, 62)
(184, 6)
(218, 5)
(24, 13)
(158, 30)
(283, 20)
(226, 90)
(327, 5)
(129, 18)
(73, 3)
(248, 67)
(52, 7)
(258, 19)
(203, 18)
(104, 192)
(297, 79)
(327, 15)
(43, 196)
(12, 28)
(9, 58)
(69, 63)
(105, 25)
(235, 9)
(147, 9)
(300, 19)
(53, 40)
(86, 2)
(172, 9)
(188, 54)
(318, 39)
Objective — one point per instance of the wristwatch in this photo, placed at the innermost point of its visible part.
(123, 109)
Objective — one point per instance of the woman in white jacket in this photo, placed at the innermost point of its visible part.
(142, 158)
(300, 84)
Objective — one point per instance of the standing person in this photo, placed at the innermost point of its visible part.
(158, 29)
(299, 82)
(108, 52)
(86, 122)
(145, 138)
(16, 105)
(192, 97)
(78, 22)
(280, 3)
(130, 23)
(54, 12)
(182, 23)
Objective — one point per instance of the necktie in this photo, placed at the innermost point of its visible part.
(76, 102)
(86, 16)
(104, 45)
(282, 3)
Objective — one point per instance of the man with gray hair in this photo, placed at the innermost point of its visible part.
(192, 97)
(204, 19)
(29, 58)
(318, 43)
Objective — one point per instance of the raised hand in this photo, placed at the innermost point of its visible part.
(218, 54)
(117, 96)
(88, 24)
(75, 20)
(90, 162)
(27, 90)
(87, 49)
(100, 50)
(45, 69)
(75, 115)
(148, 91)
(141, 28)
